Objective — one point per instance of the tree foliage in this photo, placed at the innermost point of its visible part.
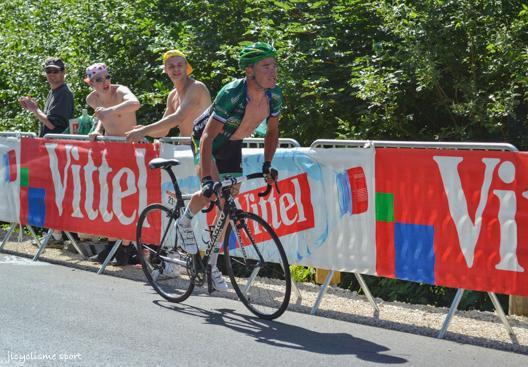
(429, 70)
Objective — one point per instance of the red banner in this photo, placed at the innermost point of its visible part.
(288, 212)
(453, 218)
(89, 187)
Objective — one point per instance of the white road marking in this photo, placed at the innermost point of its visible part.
(16, 260)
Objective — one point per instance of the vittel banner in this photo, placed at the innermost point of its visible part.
(453, 218)
(90, 187)
(9, 179)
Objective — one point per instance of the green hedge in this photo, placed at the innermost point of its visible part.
(428, 70)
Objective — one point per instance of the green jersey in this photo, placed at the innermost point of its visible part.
(229, 107)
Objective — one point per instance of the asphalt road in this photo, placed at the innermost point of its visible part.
(58, 316)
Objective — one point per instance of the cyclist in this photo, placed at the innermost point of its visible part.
(236, 112)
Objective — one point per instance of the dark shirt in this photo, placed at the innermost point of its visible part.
(58, 109)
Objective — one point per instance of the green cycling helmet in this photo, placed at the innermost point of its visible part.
(255, 52)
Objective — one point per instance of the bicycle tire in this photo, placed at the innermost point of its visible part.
(269, 290)
(173, 282)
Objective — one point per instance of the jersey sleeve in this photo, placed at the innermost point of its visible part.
(222, 106)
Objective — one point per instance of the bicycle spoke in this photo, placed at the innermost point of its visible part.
(258, 267)
(166, 269)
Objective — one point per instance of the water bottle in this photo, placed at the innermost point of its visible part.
(85, 123)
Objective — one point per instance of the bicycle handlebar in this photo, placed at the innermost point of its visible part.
(236, 180)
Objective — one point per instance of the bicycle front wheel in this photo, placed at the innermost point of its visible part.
(168, 270)
(257, 266)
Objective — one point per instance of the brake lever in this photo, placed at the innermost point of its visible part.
(265, 192)
(209, 208)
(274, 173)
(216, 189)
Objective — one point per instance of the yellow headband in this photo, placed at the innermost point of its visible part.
(172, 53)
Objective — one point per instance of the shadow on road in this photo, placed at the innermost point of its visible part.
(278, 334)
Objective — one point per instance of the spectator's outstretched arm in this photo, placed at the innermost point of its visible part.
(188, 109)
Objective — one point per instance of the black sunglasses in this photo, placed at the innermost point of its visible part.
(99, 79)
(53, 71)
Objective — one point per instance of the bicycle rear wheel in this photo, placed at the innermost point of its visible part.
(257, 266)
(174, 282)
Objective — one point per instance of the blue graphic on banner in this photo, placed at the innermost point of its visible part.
(415, 257)
(344, 193)
(232, 244)
(36, 206)
(5, 164)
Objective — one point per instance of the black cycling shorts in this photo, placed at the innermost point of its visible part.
(228, 157)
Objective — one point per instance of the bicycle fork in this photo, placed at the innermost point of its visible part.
(256, 269)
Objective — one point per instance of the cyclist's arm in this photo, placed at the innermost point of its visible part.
(212, 129)
(271, 140)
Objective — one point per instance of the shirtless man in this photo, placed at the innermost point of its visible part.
(115, 109)
(185, 103)
(115, 105)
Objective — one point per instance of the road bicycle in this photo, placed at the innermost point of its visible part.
(253, 254)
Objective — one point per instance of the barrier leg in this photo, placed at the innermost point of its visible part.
(366, 290)
(7, 235)
(75, 244)
(322, 292)
(502, 316)
(109, 257)
(33, 234)
(297, 293)
(452, 310)
(20, 232)
(43, 244)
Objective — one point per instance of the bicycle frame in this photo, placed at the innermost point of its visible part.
(228, 212)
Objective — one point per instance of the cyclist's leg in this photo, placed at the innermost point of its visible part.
(198, 201)
(228, 162)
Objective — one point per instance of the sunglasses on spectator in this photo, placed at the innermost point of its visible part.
(99, 79)
(53, 71)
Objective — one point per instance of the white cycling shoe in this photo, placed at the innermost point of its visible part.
(218, 280)
(186, 238)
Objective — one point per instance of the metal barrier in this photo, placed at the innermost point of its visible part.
(18, 134)
(248, 142)
(327, 143)
(119, 139)
(291, 143)
(259, 143)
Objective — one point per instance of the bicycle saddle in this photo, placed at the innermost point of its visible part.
(163, 163)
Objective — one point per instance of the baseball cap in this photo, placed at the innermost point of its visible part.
(53, 63)
(172, 53)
